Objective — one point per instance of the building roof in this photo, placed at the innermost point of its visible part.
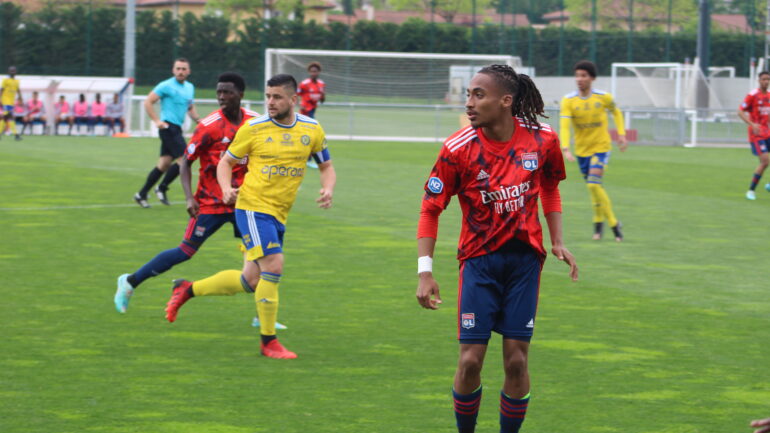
(398, 17)
(731, 22)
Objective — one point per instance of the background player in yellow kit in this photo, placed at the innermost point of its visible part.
(586, 111)
(10, 88)
(277, 146)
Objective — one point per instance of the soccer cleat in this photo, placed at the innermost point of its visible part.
(751, 195)
(179, 295)
(311, 163)
(598, 231)
(18, 137)
(161, 194)
(274, 349)
(618, 232)
(255, 323)
(123, 294)
(141, 201)
(767, 187)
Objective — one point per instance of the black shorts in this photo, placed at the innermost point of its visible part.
(171, 141)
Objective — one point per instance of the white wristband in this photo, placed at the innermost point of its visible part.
(424, 264)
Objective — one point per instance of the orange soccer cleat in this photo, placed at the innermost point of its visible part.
(179, 295)
(274, 349)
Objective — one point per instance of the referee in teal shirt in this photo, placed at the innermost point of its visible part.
(176, 100)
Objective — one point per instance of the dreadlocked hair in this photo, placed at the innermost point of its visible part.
(527, 102)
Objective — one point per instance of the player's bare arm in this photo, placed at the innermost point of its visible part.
(557, 243)
(427, 288)
(193, 113)
(149, 106)
(225, 178)
(185, 176)
(745, 117)
(761, 425)
(328, 180)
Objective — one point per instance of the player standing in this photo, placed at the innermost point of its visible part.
(207, 210)
(311, 91)
(277, 146)
(755, 111)
(497, 167)
(176, 96)
(8, 93)
(586, 110)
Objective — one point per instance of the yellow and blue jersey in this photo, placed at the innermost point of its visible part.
(10, 89)
(277, 156)
(588, 117)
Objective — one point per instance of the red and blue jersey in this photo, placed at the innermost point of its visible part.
(497, 185)
(310, 93)
(209, 143)
(757, 104)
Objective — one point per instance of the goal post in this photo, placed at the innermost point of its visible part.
(388, 95)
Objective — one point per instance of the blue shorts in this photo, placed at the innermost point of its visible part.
(7, 109)
(199, 229)
(597, 160)
(759, 147)
(261, 233)
(498, 292)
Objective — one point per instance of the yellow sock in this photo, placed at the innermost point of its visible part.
(12, 126)
(596, 202)
(2, 126)
(266, 296)
(607, 206)
(223, 283)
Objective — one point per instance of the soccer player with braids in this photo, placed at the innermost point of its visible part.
(497, 167)
(586, 111)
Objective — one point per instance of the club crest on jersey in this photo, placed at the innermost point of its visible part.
(468, 320)
(435, 185)
(529, 161)
(191, 148)
(305, 140)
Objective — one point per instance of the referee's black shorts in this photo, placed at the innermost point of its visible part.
(172, 141)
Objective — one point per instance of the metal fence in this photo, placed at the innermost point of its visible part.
(433, 123)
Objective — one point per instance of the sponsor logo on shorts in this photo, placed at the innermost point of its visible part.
(282, 170)
(468, 320)
(200, 230)
(529, 161)
(273, 245)
(531, 323)
(435, 185)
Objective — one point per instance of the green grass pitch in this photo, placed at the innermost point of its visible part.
(664, 333)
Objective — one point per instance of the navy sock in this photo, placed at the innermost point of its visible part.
(171, 174)
(512, 412)
(466, 410)
(161, 263)
(152, 179)
(267, 338)
(755, 181)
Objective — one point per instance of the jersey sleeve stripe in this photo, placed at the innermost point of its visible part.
(460, 136)
(461, 143)
(232, 155)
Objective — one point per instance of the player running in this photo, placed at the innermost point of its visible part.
(207, 210)
(586, 111)
(497, 167)
(311, 91)
(8, 94)
(755, 111)
(277, 146)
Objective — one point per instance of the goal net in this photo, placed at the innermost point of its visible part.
(388, 96)
(664, 85)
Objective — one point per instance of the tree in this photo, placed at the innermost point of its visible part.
(612, 14)
(447, 9)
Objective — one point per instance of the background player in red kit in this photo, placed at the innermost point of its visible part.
(207, 211)
(311, 91)
(498, 167)
(755, 111)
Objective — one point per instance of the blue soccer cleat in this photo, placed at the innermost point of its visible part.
(767, 187)
(123, 294)
(751, 195)
(255, 323)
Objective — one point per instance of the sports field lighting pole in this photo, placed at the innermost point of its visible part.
(473, 27)
(560, 64)
(129, 49)
(767, 34)
(593, 31)
(703, 52)
(668, 33)
(89, 25)
(630, 48)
